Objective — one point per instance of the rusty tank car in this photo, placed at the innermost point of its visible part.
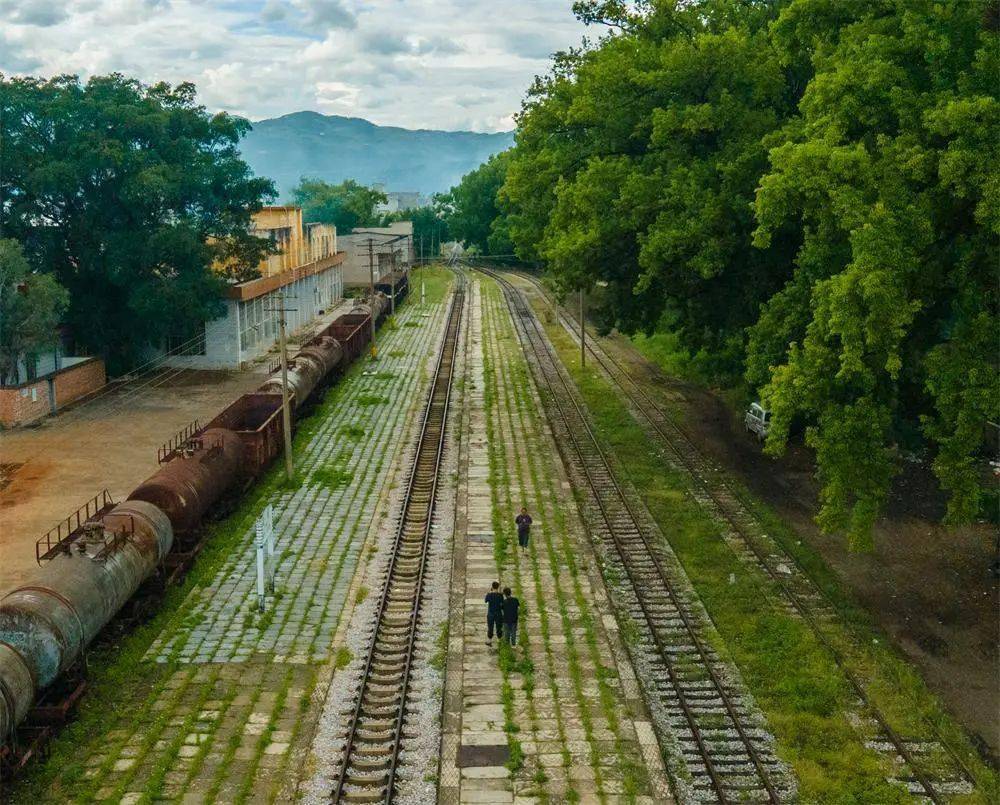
(46, 624)
(311, 366)
(195, 478)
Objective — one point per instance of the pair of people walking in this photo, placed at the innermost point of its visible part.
(502, 610)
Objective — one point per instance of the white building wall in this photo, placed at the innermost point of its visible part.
(249, 329)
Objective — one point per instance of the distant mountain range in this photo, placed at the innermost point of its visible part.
(335, 148)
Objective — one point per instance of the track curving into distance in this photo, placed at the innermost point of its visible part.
(727, 752)
(374, 734)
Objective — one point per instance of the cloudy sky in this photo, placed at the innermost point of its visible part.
(416, 63)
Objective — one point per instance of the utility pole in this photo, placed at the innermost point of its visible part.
(286, 414)
(392, 278)
(421, 248)
(583, 333)
(371, 289)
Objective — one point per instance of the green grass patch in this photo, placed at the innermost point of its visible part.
(342, 658)
(352, 432)
(439, 659)
(437, 281)
(371, 400)
(332, 477)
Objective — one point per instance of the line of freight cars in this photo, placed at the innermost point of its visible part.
(88, 575)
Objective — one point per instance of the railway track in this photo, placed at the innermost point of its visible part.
(928, 770)
(725, 750)
(375, 731)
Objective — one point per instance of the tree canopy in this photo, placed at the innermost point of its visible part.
(346, 205)
(471, 208)
(805, 192)
(31, 308)
(430, 229)
(127, 194)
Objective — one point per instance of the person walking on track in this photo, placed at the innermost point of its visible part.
(523, 521)
(510, 614)
(494, 613)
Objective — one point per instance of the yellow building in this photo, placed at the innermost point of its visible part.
(305, 268)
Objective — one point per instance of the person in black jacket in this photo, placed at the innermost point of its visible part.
(510, 614)
(494, 613)
(523, 521)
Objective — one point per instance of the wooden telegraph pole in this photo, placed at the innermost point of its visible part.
(286, 414)
(583, 332)
(371, 290)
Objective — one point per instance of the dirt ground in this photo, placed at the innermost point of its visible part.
(928, 587)
(47, 471)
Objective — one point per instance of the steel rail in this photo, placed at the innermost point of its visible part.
(423, 474)
(694, 461)
(538, 345)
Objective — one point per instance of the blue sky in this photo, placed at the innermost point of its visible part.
(414, 63)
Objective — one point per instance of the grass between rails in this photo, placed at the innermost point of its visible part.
(117, 671)
(501, 544)
(500, 342)
(562, 554)
(794, 679)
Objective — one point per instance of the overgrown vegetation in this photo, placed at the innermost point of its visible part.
(797, 683)
(800, 192)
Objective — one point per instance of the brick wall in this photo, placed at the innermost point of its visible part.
(79, 381)
(25, 404)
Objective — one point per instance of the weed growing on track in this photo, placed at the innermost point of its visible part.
(342, 658)
(439, 659)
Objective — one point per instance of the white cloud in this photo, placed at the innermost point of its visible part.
(412, 63)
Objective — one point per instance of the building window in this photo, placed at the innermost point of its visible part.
(189, 342)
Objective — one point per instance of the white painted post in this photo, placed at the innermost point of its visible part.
(423, 292)
(269, 538)
(260, 566)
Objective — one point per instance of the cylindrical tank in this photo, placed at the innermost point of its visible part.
(188, 485)
(313, 362)
(44, 625)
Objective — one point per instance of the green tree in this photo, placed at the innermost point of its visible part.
(346, 205)
(890, 318)
(127, 194)
(429, 227)
(472, 207)
(805, 192)
(31, 308)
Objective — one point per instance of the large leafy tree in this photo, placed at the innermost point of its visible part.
(471, 208)
(636, 165)
(127, 194)
(890, 317)
(31, 308)
(805, 191)
(346, 205)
